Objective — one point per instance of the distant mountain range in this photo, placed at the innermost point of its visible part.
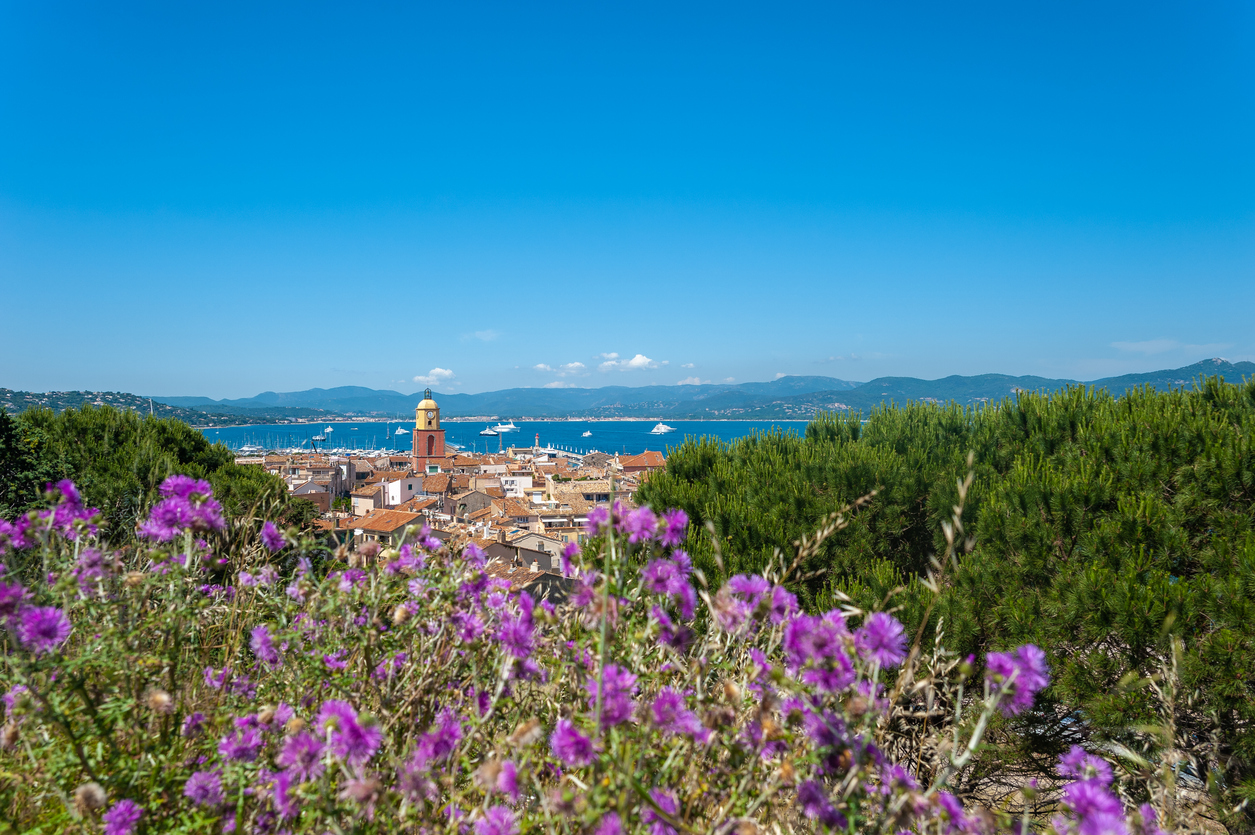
(787, 397)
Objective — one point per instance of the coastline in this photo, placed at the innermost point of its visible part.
(333, 421)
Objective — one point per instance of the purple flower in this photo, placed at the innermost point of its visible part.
(302, 756)
(783, 604)
(193, 724)
(335, 661)
(1094, 809)
(122, 818)
(598, 521)
(242, 746)
(272, 538)
(508, 781)
(204, 788)
(89, 569)
(583, 593)
(676, 636)
(286, 803)
(498, 820)
(350, 739)
(808, 638)
(188, 505)
(1083, 766)
(882, 639)
(11, 597)
(751, 588)
(263, 645)
(815, 805)
(438, 743)
(618, 686)
(570, 746)
(672, 716)
(610, 824)
(667, 803)
(516, 632)
(42, 629)
(468, 625)
(641, 525)
(675, 525)
(1031, 675)
(474, 556)
(569, 552)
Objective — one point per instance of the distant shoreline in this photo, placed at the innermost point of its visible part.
(522, 419)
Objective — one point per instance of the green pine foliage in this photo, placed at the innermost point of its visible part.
(118, 458)
(1101, 527)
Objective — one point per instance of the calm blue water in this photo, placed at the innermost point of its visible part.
(622, 436)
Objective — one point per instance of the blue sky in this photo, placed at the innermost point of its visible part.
(221, 199)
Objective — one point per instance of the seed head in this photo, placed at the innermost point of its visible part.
(8, 736)
(159, 701)
(89, 797)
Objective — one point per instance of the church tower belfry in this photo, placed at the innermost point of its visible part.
(428, 445)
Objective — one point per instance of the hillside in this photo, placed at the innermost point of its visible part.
(16, 402)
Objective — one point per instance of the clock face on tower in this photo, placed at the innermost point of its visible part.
(430, 414)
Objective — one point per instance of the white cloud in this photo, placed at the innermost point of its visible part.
(540, 366)
(1163, 346)
(610, 356)
(571, 368)
(559, 384)
(780, 374)
(636, 363)
(729, 379)
(688, 365)
(486, 336)
(435, 376)
(693, 381)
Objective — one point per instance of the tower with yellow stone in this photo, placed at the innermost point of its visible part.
(428, 447)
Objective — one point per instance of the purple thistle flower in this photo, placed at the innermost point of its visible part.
(441, 741)
(583, 593)
(42, 629)
(751, 588)
(242, 746)
(676, 636)
(641, 525)
(883, 640)
(497, 820)
(672, 716)
(89, 569)
(611, 824)
(272, 538)
(569, 552)
(286, 804)
(667, 803)
(469, 626)
(618, 686)
(474, 556)
(193, 724)
(122, 818)
(301, 756)
(516, 632)
(204, 788)
(11, 597)
(188, 504)
(263, 645)
(1031, 675)
(1078, 764)
(1094, 809)
(598, 521)
(570, 746)
(335, 661)
(675, 525)
(351, 740)
(815, 805)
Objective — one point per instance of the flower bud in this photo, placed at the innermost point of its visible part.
(8, 736)
(294, 726)
(400, 614)
(266, 715)
(133, 579)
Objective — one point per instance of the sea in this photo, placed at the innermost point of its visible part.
(628, 437)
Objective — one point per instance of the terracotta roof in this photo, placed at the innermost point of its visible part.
(387, 521)
(648, 458)
(417, 503)
(436, 483)
(367, 491)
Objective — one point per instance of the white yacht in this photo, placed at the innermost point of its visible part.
(588, 433)
(401, 430)
(661, 429)
(506, 427)
(488, 430)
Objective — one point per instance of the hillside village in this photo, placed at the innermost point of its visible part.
(521, 505)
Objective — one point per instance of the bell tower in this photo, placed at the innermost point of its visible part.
(428, 446)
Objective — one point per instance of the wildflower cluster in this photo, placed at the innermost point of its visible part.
(420, 688)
